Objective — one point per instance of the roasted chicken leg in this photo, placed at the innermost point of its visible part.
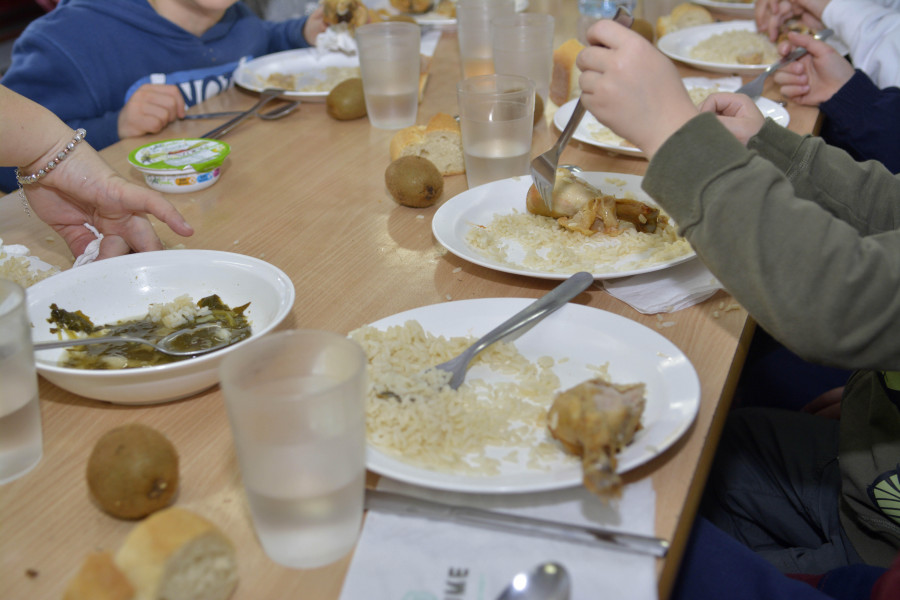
(595, 420)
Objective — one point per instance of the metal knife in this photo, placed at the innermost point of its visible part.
(402, 504)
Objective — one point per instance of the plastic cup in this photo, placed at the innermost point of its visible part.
(496, 117)
(21, 440)
(523, 45)
(389, 64)
(473, 30)
(295, 401)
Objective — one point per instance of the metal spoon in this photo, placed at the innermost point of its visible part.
(548, 581)
(163, 345)
(530, 315)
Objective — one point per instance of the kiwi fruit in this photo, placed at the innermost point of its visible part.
(538, 109)
(132, 471)
(345, 101)
(414, 181)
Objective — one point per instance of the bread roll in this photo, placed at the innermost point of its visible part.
(99, 579)
(682, 16)
(175, 554)
(439, 141)
(564, 81)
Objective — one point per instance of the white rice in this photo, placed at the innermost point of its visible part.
(473, 430)
(726, 47)
(523, 240)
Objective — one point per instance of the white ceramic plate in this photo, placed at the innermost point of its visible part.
(585, 336)
(252, 75)
(589, 124)
(123, 288)
(478, 206)
(678, 44)
(733, 9)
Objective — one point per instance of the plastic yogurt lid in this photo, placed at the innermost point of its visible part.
(179, 155)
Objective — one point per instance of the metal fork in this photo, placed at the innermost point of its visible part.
(528, 316)
(754, 88)
(543, 168)
(266, 96)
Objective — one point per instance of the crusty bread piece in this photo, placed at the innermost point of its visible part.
(99, 579)
(682, 16)
(564, 80)
(175, 554)
(439, 141)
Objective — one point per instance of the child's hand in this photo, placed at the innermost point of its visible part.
(631, 87)
(150, 108)
(817, 76)
(315, 25)
(737, 112)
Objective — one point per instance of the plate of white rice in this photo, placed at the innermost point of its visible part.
(491, 436)
(489, 225)
(716, 46)
(592, 132)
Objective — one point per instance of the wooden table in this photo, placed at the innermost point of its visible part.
(307, 194)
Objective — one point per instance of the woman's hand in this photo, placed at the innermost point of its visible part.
(83, 188)
(150, 108)
(631, 87)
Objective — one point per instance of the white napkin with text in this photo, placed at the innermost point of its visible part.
(667, 290)
(400, 557)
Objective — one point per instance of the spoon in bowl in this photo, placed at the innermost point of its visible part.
(164, 345)
(547, 581)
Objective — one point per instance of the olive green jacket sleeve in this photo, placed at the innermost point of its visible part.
(803, 236)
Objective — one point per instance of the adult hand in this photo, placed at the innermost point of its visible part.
(827, 405)
(631, 87)
(737, 112)
(817, 76)
(315, 25)
(150, 108)
(83, 188)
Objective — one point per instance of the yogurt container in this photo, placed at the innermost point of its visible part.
(177, 166)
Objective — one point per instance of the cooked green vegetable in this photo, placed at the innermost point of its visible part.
(126, 355)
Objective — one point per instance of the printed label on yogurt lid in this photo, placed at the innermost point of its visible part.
(197, 154)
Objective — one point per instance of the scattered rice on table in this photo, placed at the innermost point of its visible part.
(19, 270)
(456, 431)
(541, 244)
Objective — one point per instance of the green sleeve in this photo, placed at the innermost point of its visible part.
(804, 258)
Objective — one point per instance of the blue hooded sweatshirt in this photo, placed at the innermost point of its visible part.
(85, 58)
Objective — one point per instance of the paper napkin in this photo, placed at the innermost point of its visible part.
(402, 557)
(667, 290)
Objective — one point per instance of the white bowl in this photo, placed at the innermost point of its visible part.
(124, 287)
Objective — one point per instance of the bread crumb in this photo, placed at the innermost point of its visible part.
(448, 297)
(420, 217)
(49, 239)
(456, 270)
(235, 242)
(732, 306)
(663, 324)
(716, 314)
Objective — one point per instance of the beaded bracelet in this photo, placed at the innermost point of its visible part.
(24, 180)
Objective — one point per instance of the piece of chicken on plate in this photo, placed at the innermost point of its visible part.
(595, 420)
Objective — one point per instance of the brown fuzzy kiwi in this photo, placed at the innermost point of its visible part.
(133, 471)
(414, 181)
(345, 101)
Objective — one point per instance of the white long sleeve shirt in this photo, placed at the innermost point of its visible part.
(871, 30)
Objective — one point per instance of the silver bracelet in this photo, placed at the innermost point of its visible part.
(24, 180)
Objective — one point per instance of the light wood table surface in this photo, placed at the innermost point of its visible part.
(306, 194)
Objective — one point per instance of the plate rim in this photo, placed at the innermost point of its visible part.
(245, 70)
(393, 468)
(665, 45)
(729, 8)
(441, 220)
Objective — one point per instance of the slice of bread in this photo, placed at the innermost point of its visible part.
(439, 141)
(564, 80)
(178, 555)
(99, 579)
(682, 16)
